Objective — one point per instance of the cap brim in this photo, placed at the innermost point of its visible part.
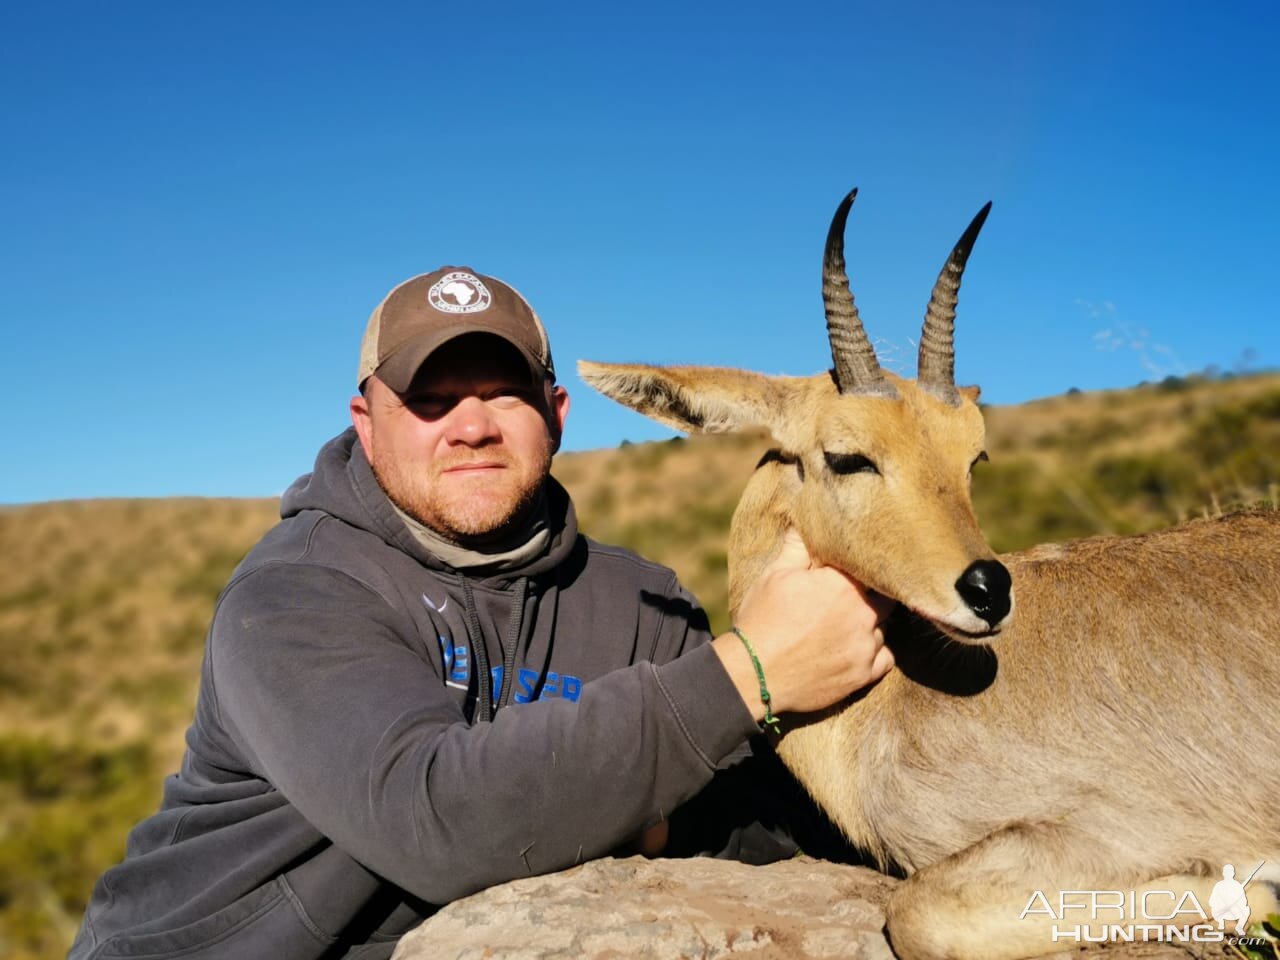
(399, 369)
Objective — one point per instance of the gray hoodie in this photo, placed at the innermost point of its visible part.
(376, 734)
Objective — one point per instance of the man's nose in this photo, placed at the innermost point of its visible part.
(471, 422)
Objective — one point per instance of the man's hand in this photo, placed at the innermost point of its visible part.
(815, 631)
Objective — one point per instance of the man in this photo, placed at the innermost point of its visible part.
(425, 681)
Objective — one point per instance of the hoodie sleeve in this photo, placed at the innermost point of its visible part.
(315, 682)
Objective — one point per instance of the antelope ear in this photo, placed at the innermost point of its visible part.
(970, 393)
(693, 399)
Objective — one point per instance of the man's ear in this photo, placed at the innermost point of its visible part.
(557, 413)
(694, 399)
(362, 420)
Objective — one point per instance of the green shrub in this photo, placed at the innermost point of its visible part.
(41, 770)
(1154, 477)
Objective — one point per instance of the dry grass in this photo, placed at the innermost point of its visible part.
(104, 604)
(104, 608)
(103, 612)
(1124, 461)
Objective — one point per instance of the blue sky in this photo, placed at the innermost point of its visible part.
(202, 205)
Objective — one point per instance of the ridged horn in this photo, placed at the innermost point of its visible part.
(856, 366)
(937, 368)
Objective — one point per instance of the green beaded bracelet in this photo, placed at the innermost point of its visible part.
(770, 721)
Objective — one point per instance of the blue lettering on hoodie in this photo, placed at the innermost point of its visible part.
(570, 687)
(526, 678)
(557, 685)
(457, 664)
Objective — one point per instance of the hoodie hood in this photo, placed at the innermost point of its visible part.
(342, 485)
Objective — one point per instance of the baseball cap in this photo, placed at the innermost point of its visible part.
(427, 311)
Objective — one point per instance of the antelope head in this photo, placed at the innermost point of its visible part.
(872, 469)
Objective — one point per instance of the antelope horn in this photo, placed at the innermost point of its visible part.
(938, 340)
(856, 366)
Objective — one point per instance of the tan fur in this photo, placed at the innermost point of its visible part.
(1120, 726)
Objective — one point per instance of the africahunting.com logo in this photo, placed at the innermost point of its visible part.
(1128, 916)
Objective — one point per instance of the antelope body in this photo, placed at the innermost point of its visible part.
(1118, 731)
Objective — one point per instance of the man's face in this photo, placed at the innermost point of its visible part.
(466, 448)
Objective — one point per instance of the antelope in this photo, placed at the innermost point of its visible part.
(1116, 732)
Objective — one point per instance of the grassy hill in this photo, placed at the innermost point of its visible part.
(104, 604)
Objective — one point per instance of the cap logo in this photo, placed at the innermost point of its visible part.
(459, 292)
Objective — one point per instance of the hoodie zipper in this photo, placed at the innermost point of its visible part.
(511, 645)
(485, 706)
(484, 679)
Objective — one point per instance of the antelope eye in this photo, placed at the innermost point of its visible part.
(846, 463)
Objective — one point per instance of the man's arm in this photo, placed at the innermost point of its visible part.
(314, 680)
(315, 684)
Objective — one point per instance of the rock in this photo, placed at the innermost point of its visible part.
(636, 908)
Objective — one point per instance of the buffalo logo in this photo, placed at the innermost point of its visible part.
(459, 292)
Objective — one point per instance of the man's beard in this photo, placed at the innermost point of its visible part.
(466, 521)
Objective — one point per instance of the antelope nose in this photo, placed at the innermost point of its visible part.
(985, 588)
